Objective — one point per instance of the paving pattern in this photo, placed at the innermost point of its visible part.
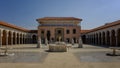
(28, 56)
(24, 57)
(96, 57)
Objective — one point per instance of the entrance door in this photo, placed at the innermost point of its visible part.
(59, 34)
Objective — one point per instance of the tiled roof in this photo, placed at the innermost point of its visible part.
(13, 26)
(84, 31)
(106, 26)
(59, 18)
(33, 31)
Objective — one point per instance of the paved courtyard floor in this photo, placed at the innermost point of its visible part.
(28, 56)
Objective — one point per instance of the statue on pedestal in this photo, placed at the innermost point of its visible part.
(59, 38)
(80, 43)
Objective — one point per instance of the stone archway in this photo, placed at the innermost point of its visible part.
(118, 37)
(17, 38)
(91, 39)
(48, 35)
(103, 38)
(99, 38)
(9, 38)
(14, 38)
(4, 37)
(108, 38)
(94, 38)
(34, 39)
(113, 38)
(1, 37)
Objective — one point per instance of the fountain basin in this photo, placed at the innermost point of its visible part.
(58, 47)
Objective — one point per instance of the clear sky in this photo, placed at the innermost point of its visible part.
(93, 12)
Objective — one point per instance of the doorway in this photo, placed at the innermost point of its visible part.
(59, 34)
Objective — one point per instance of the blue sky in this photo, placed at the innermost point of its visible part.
(93, 12)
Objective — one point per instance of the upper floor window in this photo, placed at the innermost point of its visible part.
(67, 31)
(74, 31)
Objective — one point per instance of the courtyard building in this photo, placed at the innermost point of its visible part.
(54, 29)
(106, 35)
(11, 35)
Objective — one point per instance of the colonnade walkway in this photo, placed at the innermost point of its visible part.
(87, 57)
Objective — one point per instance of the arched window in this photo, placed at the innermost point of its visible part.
(34, 37)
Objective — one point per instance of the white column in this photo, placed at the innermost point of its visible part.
(22, 39)
(16, 38)
(1, 34)
(11, 38)
(19, 39)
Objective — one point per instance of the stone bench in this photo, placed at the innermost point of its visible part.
(57, 48)
(114, 51)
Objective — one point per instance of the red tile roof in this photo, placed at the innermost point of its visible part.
(33, 31)
(105, 26)
(13, 26)
(59, 18)
(84, 31)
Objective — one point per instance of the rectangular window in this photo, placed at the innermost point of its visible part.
(74, 31)
(67, 31)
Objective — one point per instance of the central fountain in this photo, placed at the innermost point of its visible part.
(58, 46)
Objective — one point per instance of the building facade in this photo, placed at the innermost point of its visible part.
(108, 34)
(64, 29)
(12, 35)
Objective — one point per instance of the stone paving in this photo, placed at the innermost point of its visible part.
(96, 57)
(24, 57)
(87, 57)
